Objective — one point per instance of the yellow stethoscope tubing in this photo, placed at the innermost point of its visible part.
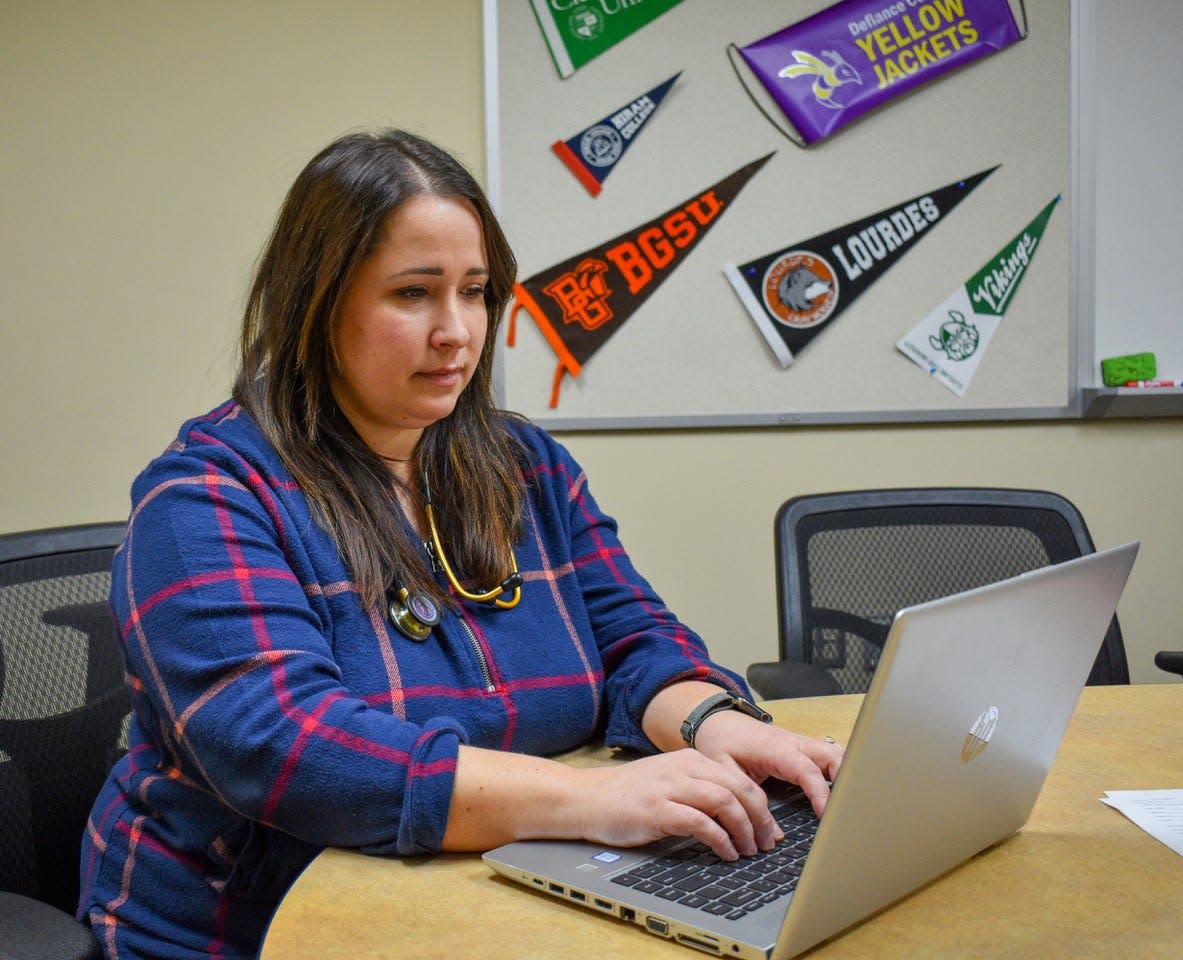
(494, 595)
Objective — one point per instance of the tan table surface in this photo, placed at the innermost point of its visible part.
(1079, 880)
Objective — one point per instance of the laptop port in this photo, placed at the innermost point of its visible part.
(657, 925)
(603, 904)
(555, 888)
(576, 895)
(628, 913)
(706, 946)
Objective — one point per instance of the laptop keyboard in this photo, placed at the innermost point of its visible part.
(694, 876)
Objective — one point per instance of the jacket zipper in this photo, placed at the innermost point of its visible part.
(480, 655)
(490, 687)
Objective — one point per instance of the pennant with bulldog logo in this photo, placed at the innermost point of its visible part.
(793, 294)
(576, 33)
(856, 55)
(593, 153)
(579, 303)
(950, 341)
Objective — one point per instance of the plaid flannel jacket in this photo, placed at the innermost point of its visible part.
(276, 715)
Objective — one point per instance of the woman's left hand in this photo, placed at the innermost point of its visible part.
(762, 750)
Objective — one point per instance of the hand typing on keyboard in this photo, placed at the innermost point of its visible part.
(694, 876)
(680, 794)
(711, 792)
(762, 750)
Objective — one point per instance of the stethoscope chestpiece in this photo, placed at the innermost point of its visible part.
(414, 614)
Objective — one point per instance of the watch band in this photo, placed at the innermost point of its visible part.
(715, 703)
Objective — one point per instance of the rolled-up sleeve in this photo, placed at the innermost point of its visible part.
(428, 797)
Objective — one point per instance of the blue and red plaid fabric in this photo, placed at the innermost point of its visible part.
(275, 715)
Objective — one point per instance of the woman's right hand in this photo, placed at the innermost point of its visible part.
(680, 794)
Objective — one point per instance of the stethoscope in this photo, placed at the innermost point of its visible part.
(415, 615)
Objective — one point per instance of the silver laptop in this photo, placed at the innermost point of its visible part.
(971, 697)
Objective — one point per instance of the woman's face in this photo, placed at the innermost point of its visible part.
(412, 323)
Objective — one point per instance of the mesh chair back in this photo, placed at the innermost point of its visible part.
(848, 561)
(63, 702)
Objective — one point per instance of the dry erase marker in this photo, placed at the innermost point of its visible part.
(1140, 384)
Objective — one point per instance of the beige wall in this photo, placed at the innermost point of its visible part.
(145, 149)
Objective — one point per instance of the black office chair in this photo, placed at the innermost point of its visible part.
(846, 562)
(1169, 660)
(63, 710)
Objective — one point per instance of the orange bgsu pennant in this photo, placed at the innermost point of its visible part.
(579, 303)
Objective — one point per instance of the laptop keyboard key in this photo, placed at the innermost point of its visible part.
(737, 898)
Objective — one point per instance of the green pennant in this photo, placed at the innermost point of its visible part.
(991, 288)
(950, 341)
(578, 32)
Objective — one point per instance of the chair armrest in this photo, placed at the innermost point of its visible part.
(1170, 660)
(32, 930)
(791, 678)
(873, 631)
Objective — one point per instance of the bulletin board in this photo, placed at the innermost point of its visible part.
(691, 356)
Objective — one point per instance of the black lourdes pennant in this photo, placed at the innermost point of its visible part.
(794, 293)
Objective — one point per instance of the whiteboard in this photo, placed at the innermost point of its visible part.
(1138, 135)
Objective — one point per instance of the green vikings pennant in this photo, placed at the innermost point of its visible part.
(795, 293)
(578, 32)
(950, 341)
(579, 303)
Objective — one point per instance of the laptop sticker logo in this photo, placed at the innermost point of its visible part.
(979, 734)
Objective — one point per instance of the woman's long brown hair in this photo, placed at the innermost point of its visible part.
(331, 220)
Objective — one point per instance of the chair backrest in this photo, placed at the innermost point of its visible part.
(63, 702)
(846, 562)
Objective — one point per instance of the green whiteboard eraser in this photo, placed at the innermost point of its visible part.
(1115, 371)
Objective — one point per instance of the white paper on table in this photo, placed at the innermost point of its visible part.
(1158, 812)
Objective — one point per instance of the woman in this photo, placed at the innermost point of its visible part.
(288, 554)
